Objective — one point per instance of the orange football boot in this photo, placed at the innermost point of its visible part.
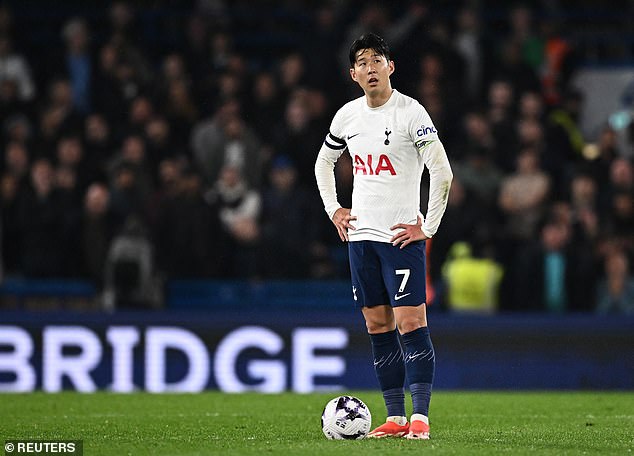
(419, 428)
(389, 429)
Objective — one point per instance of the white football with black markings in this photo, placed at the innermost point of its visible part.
(346, 418)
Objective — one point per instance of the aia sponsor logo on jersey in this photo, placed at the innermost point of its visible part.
(373, 166)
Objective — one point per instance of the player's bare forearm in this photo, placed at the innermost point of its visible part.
(341, 219)
(409, 233)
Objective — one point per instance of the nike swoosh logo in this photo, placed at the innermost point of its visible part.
(352, 136)
(413, 357)
(397, 297)
(382, 360)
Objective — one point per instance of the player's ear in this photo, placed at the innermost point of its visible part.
(390, 65)
(353, 74)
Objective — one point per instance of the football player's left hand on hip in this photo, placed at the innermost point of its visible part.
(410, 233)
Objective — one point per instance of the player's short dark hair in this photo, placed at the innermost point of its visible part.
(369, 41)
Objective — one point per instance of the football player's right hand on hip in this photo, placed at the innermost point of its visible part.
(341, 219)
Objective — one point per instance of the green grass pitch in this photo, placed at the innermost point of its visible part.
(213, 423)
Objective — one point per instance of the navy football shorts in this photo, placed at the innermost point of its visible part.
(385, 274)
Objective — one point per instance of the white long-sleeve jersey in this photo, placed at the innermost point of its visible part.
(390, 146)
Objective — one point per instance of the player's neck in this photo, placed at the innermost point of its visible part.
(376, 100)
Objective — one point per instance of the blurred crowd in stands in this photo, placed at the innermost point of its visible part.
(178, 141)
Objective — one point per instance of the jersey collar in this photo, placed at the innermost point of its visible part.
(388, 104)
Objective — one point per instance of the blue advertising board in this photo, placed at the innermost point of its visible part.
(301, 350)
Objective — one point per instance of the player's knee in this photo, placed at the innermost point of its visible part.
(378, 327)
(409, 324)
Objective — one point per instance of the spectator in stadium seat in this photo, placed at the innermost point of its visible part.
(296, 134)
(125, 196)
(475, 134)
(16, 161)
(523, 33)
(221, 47)
(66, 183)
(134, 152)
(70, 154)
(265, 108)
(159, 142)
(620, 179)
(225, 139)
(172, 69)
(501, 117)
(288, 223)
(441, 93)
(480, 176)
(523, 196)
(6, 21)
(19, 128)
(318, 105)
(620, 222)
(44, 233)
(77, 63)
(583, 192)
(187, 230)
(439, 35)
(584, 216)
(110, 96)
(473, 43)
(123, 35)
(326, 30)
(98, 144)
(12, 108)
(238, 207)
(616, 291)
(97, 230)
(180, 110)
(14, 67)
(549, 276)
(169, 175)
(531, 106)
(542, 272)
(58, 118)
(128, 85)
(513, 68)
(292, 75)
(140, 112)
(195, 50)
(215, 63)
(564, 140)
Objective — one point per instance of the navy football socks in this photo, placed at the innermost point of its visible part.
(419, 363)
(390, 370)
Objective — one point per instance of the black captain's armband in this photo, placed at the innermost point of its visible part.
(334, 143)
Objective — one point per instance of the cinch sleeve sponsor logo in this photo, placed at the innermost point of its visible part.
(423, 130)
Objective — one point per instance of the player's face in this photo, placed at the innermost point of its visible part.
(372, 71)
